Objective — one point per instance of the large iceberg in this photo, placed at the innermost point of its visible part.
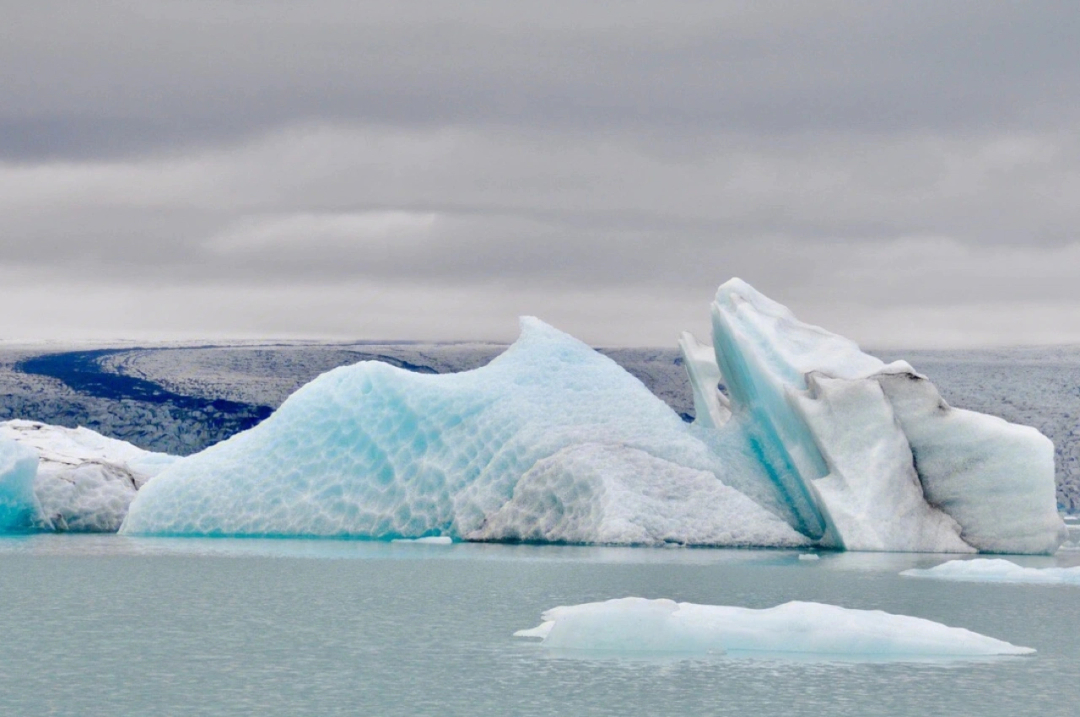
(74, 479)
(810, 441)
(637, 625)
(551, 441)
(867, 456)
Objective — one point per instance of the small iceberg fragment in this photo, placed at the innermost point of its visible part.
(996, 570)
(82, 481)
(636, 625)
(809, 556)
(429, 540)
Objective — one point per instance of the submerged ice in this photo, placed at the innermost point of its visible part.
(809, 441)
(637, 625)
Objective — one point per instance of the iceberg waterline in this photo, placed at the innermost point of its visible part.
(638, 625)
(812, 442)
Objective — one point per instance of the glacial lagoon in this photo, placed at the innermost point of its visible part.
(114, 625)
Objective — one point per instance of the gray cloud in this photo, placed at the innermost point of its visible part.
(105, 78)
(915, 159)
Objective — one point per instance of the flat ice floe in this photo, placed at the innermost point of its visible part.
(635, 625)
(996, 570)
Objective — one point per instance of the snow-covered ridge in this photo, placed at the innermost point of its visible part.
(795, 629)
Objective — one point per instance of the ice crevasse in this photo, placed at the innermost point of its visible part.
(811, 442)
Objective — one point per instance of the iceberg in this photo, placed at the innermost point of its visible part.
(81, 481)
(637, 625)
(800, 439)
(375, 451)
(996, 570)
(867, 456)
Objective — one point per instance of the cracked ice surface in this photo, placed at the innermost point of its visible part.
(595, 493)
(375, 451)
(638, 625)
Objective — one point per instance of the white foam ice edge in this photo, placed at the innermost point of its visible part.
(635, 625)
(996, 570)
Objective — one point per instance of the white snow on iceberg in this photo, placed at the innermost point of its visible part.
(637, 625)
(996, 570)
(375, 451)
(83, 481)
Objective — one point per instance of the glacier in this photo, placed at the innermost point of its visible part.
(75, 479)
(996, 570)
(794, 629)
(800, 439)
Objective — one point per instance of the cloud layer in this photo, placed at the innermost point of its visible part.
(905, 174)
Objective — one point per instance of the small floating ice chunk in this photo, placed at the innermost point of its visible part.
(809, 556)
(996, 570)
(429, 540)
(637, 625)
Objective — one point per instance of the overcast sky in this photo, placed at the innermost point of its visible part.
(905, 173)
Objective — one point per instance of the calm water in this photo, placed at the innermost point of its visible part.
(104, 625)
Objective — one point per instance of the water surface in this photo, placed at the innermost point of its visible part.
(110, 625)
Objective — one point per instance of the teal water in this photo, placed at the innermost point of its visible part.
(106, 625)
